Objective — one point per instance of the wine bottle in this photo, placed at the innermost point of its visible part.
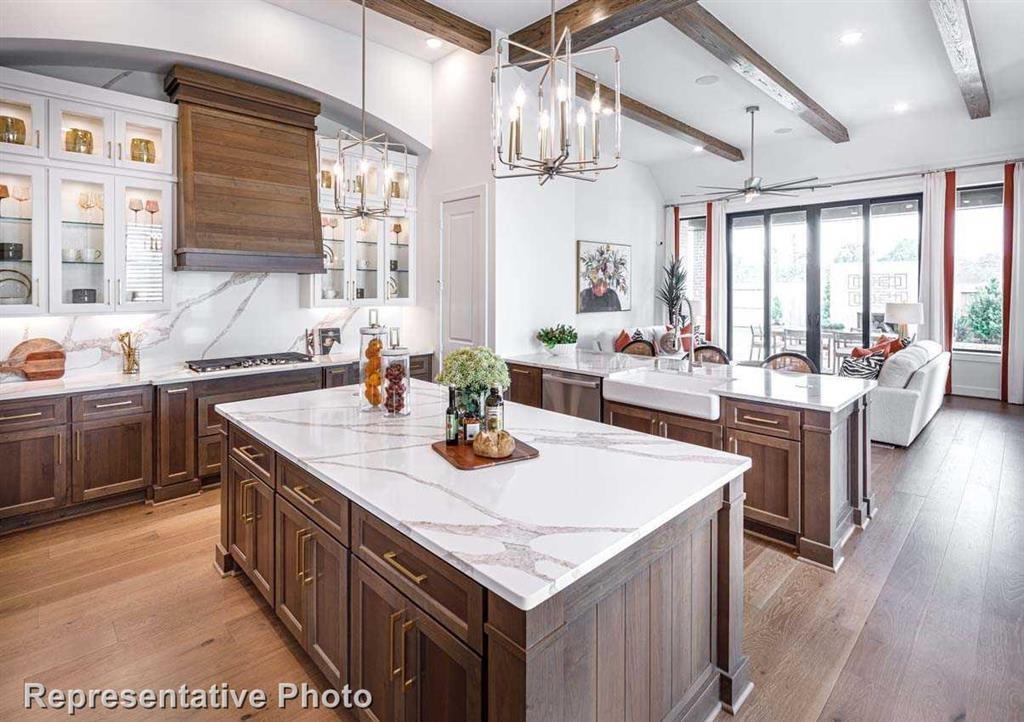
(494, 411)
(451, 420)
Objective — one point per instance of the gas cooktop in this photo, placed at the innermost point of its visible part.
(245, 362)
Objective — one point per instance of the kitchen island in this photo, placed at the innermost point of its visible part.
(604, 575)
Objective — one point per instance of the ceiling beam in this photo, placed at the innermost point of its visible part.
(711, 34)
(653, 118)
(434, 21)
(954, 22)
(591, 22)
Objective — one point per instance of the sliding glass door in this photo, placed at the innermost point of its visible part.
(796, 276)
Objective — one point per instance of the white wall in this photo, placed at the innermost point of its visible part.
(251, 35)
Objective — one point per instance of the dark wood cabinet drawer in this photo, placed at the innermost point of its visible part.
(631, 417)
(33, 413)
(314, 498)
(345, 375)
(452, 598)
(208, 454)
(762, 419)
(772, 485)
(222, 391)
(526, 385)
(111, 404)
(254, 455)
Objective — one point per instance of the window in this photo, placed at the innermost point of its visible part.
(978, 269)
(815, 279)
(693, 251)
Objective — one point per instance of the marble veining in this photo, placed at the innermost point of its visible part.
(524, 530)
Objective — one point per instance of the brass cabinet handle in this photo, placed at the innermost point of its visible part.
(307, 574)
(247, 515)
(12, 417)
(393, 670)
(182, 390)
(60, 448)
(78, 446)
(760, 420)
(389, 557)
(405, 663)
(299, 491)
(245, 451)
(300, 557)
(114, 404)
(663, 428)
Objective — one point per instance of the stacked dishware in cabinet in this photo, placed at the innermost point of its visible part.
(368, 261)
(87, 192)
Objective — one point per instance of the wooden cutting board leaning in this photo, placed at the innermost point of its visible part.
(37, 359)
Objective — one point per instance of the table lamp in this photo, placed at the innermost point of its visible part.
(904, 314)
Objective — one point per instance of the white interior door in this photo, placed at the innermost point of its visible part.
(463, 273)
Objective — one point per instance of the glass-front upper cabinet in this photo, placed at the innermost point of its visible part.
(327, 156)
(144, 143)
(144, 214)
(333, 287)
(400, 258)
(81, 132)
(367, 237)
(22, 239)
(22, 123)
(81, 241)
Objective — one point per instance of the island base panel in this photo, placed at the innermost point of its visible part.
(652, 634)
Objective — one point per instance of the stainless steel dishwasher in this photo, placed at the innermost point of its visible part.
(574, 394)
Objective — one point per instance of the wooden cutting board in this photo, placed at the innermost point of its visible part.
(462, 456)
(36, 359)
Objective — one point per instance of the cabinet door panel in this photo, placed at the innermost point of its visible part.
(631, 417)
(239, 539)
(112, 456)
(176, 429)
(378, 615)
(442, 678)
(691, 431)
(772, 484)
(33, 474)
(293, 532)
(526, 385)
(23, 224)
(328, 607)
(261, 568)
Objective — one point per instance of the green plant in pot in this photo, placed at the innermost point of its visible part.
(472, 372)
(559, 340)
(673, 287)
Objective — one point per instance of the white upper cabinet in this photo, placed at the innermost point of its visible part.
(143, 232)
(144, 143)
(81, 132)
(22, 123)
(23, 256)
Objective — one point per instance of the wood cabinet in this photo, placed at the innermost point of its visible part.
(633, 418)
(245, 148)
(111, 456)
(414, 668)
(176, 438)
(527, 385)
(311, 591)
(33, 474)
(659, 423)
(773, 483)
(251, 529)
(344, 375)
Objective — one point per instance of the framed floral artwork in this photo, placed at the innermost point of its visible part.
(603, 280)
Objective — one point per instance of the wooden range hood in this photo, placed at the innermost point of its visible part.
(247, 196)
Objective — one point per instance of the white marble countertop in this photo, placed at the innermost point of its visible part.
(821, 392)
(524, 530)
(80, 382)
(591, 363)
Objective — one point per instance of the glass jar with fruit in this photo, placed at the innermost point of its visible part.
(396, 381)
(371, 376)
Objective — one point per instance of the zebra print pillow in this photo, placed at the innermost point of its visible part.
(865, 367)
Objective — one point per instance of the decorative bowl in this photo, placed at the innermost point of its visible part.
(561, 349)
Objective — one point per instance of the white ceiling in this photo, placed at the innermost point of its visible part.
(900, 59)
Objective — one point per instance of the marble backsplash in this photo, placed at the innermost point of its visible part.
(211, 315)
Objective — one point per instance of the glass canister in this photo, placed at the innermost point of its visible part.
(396, 381)
(371, 346)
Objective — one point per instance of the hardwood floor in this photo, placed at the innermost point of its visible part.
(924, 621)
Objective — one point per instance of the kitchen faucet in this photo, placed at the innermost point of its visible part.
(691, 336)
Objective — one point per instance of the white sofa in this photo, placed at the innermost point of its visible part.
(910, 390)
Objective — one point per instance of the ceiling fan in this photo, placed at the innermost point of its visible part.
(754, 186)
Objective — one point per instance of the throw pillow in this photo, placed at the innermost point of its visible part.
(882, 348)
(638, 335)
(621, 340)
(865, 367)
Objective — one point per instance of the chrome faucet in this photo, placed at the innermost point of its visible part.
(691, 336)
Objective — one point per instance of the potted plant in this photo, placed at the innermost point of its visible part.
(472, 372)
(671, 292)
(559, 340)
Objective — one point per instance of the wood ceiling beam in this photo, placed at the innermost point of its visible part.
(591, 22)
(953, 19)
(714, 36)
(435, 21)
(653, 118)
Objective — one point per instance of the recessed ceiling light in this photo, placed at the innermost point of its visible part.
(901, 107)
(706, 80)
(698, 149)
(851, 37)
(783, 131)
(434, 43)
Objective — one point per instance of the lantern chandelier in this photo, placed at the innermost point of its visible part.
(568, 143)
(368, 153)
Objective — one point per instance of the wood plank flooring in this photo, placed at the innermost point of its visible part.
(925, 620)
